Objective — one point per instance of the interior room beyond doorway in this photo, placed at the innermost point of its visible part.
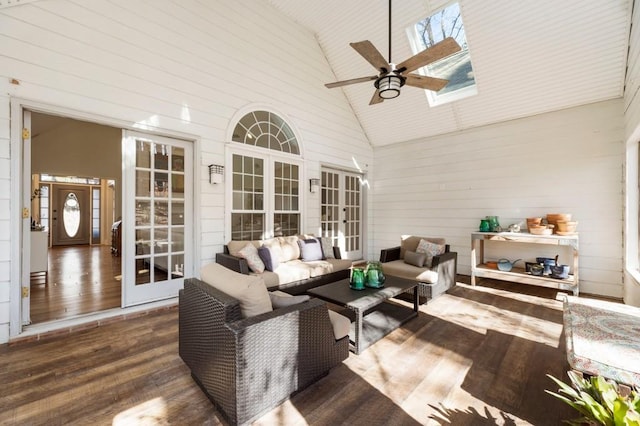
(82, 276)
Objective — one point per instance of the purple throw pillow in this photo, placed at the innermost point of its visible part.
(270, 261)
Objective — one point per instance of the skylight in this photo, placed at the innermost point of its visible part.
(456, 68)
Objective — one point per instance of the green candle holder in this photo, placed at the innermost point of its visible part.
(357, 280)
(374, 277)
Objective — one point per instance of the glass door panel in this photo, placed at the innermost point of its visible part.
(341, 211)
(161, 209)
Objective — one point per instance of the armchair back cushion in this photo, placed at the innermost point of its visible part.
(248, 289)
(410, 243)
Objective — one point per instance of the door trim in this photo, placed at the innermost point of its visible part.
(17, 264)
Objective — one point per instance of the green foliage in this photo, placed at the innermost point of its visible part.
(599, 401)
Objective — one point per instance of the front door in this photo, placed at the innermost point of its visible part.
(70, 215)
(157, 241)
(341, 211)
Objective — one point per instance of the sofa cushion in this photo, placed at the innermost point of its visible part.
(430, 249)
(235, 246)
(316, 268)
(275, 249)
(339, 264)
(290, 248)
(340, 325)
(250, 253)
(310, 249)
(292, 271)
(410, 242)
(327, 247)
(249, 290)
(280, 299)
(269, 258)
(415, 259)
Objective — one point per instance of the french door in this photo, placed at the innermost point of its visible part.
(341, 211)
(157, 244)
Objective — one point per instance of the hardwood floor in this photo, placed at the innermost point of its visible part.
(80, 280)
(476, 356)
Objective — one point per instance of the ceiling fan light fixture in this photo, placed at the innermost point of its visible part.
(389, 86)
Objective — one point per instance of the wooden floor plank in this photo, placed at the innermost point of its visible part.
(475, 356)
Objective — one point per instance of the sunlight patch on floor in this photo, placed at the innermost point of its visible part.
(151, 412)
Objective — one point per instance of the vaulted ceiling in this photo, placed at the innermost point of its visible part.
(528, 58)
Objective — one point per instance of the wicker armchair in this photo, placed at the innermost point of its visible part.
(444, 267)
(247, 366)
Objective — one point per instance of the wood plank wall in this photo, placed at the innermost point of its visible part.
(180, 66)
(566, 161)
(632, 138)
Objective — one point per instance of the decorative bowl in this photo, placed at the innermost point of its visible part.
(540, 230)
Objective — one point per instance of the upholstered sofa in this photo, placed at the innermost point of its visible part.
(292, 264)
(248, 356)
(434, 267)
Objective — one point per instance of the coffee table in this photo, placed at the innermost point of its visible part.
(373, 317)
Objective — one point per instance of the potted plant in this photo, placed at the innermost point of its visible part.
(600, 401)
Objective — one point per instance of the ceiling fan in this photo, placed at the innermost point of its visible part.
(392, 76)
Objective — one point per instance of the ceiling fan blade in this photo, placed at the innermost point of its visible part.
(438, 51)
(376, 99)
(352, 81)
(428, 83)
(368, 51)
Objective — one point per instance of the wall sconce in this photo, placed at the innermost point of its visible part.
(215, 173)
(314, 185)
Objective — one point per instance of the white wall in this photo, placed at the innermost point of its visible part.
(181, 66)
(632, 137)
(568, 161)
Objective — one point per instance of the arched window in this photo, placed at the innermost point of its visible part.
(265, 183)
(266, 130)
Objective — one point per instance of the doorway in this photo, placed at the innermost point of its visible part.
(76, 175)
(341, 211)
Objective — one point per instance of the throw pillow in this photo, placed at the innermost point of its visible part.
(415, 259)
(250, 252)
(430, 249)
(269, 259)
(280, 299)
(310, 250)
(327, 247)
(249, 290)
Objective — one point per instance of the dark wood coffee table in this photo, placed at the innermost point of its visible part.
(372, 315)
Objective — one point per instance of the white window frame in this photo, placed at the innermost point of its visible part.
(416, 46)
(269, 157)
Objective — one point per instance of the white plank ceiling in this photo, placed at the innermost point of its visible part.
(528, 58)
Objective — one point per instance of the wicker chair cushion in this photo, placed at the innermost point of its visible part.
(280, 299)
(429, 249)
(415, 259)
(248, 289)
(410, 242)
(340, 324)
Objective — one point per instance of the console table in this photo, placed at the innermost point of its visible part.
(519, 275)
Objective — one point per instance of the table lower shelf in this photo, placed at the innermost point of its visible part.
(377, 323)
(518, 275)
